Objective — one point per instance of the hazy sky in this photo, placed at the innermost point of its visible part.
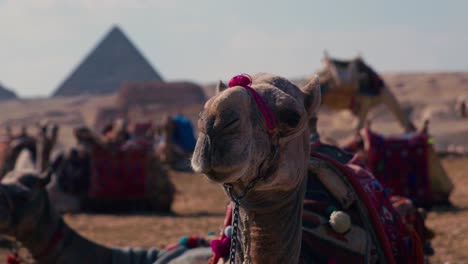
(42, 41)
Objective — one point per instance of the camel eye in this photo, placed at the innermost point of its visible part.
(232, 123)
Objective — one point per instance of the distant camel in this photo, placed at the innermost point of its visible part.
(170, 152)
(69, 185)
(352, 84)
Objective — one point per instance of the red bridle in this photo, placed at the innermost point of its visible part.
(244, 80)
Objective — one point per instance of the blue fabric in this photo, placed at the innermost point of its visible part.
(183, 133)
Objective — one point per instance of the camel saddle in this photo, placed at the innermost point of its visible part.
(355, 76)
(121, 172)
(377, 234)
(401, 163)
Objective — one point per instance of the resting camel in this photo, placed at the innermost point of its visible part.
(355, 86)
(14, 145)
(76, 167)
(254, 141)
(168, 152)
(68, 188)
(440, 185)
(27, 216)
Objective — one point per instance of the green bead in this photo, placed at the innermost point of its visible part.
(183, 241)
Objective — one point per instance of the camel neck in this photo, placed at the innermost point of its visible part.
(271, 235)
(57, 243)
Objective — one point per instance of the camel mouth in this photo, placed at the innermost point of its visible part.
(225, 175)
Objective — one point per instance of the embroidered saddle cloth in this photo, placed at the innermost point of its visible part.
(401, 164)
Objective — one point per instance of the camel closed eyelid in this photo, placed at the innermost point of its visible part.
(230, 124)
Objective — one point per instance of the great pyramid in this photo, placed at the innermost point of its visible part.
(113, 61)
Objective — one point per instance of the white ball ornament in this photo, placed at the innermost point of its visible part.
(340, 221)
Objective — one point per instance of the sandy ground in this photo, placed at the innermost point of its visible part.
(199, 208)
(197, 213)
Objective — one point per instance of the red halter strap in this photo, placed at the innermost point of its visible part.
(244, 80)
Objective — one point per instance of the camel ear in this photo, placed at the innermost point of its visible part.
(220, 87)
(313, 96)
(425, 127)
(325, 55)
(359, 56)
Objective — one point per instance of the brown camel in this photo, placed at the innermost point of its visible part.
(14, 145)
(355, 86)
(76, 167)
(234, 148)
(168, 152)
(68, 188)
(264, 168)
(33, 152)
(27, 216)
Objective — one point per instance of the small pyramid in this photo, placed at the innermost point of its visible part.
(113, 61)
(7, 94)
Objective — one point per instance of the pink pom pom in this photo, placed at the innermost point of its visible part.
(221, 247)
(240, 80)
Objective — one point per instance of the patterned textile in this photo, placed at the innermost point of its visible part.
(386, 224)
(401, 164)
(119, 173)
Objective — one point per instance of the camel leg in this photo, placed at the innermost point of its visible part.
(365, 104)
(392, 103)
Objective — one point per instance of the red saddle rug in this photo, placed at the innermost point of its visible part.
(401, 164)
(119, 173)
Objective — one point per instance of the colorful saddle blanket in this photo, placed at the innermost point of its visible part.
(336, 183)
(401, 164)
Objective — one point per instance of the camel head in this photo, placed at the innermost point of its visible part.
(46, 140)
(235, 143)
(24, 204)
(73, 169)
